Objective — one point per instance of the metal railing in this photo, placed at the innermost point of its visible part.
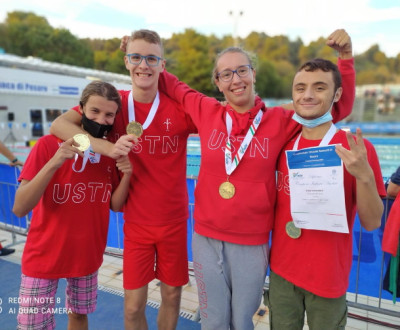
(8, 186)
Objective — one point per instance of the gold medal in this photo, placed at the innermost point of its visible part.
(83, 140)
(134, 128)
(292, 230)
(227, 190)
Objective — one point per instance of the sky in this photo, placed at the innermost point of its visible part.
(368, 22)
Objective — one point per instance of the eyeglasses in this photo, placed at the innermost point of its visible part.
(136, 59)
(241, 71)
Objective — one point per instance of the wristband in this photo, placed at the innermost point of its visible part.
(14, 160)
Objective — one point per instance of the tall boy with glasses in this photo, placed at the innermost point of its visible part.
(156, 211)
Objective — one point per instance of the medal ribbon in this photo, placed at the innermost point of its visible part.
(324, 142)
(84, 161)
(88, 154)
(230, 165)
(150, 116)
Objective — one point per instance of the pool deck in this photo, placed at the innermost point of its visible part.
(110, 277)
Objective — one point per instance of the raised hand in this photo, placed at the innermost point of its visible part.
(123, 146)
(355, 159)
(67, 150)
(124, 42)
(341, 41)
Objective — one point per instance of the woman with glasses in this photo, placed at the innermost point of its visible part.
(235, 194)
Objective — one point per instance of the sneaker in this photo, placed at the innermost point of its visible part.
(4, 251)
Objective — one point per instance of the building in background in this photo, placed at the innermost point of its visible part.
(34, 92)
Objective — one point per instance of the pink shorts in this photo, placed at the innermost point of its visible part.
(38, 302)
(155, 252)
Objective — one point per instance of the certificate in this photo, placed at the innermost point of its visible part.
(316, 189)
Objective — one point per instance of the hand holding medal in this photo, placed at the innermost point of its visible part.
(134, 128)
(83, 140)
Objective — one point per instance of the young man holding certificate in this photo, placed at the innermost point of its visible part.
(324, 176)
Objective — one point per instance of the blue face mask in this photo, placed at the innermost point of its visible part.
(311, 123)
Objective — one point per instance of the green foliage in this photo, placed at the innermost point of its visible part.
(379, 75)
(27, 34)
(110, 61)
(68, 49)
(268, 80)
(190, 55)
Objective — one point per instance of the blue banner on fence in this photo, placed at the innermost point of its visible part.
(8, 186)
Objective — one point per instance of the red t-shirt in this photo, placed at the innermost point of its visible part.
(158, 191)
(69, 225)
(318, 261)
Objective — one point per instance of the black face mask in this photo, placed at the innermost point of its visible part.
(95, 129)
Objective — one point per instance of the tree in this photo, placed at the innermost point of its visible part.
(27, 34)
(107, 55)
(254, 42)
(68, 49)
(190, 55)
(275, 49)
(116, 62)
(188, 58)
(268, 81)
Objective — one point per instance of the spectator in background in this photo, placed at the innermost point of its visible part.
(5, 251)
(391, 234)
(9, 155)
(394, 184)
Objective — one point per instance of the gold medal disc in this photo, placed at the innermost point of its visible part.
(292, 230)
(83, 140)
(134, 128)
(227, 190)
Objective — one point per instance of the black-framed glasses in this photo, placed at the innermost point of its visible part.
(136, 59)
(241, 71)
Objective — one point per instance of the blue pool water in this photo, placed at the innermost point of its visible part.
(388, 150)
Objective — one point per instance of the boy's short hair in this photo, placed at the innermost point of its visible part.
(150, 36)
(323, 65)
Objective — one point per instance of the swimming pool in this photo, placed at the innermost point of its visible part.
(388, 150)
(387, 147)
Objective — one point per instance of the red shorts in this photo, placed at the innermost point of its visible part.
(155, 252)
